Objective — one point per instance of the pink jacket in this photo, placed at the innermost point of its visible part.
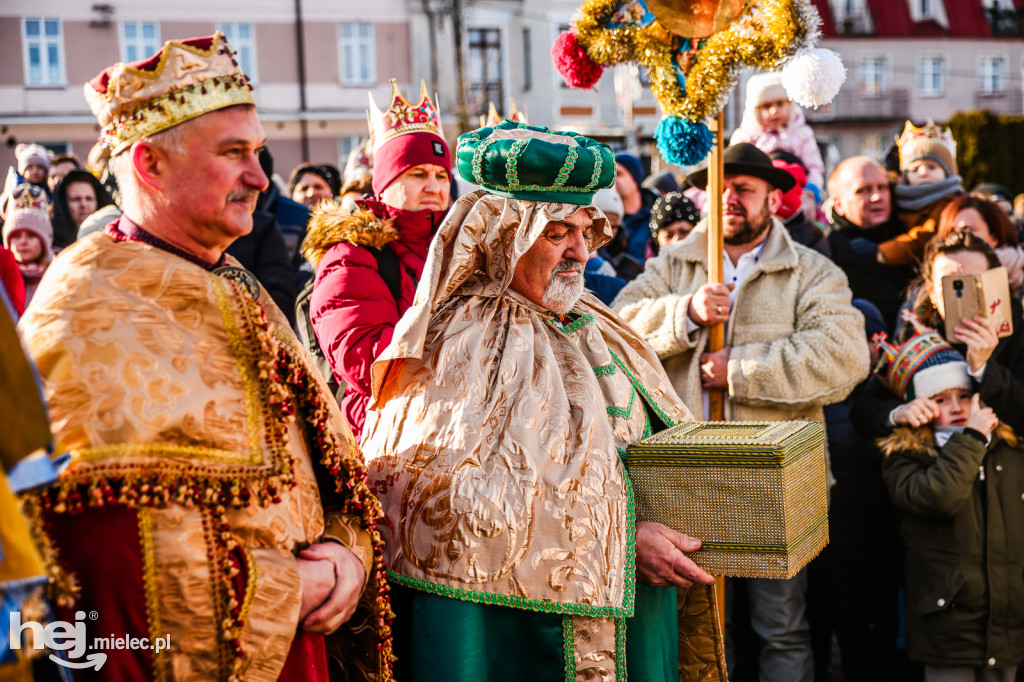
(796, 138)
(351, 308)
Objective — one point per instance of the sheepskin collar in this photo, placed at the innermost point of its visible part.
(921, 440)
(330, 224)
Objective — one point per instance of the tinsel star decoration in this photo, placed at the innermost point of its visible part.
(693, 51)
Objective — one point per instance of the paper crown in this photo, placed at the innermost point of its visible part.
(185, 79)
(923, 366)
(531, 162)
(402, 118)
(493, 118)
(27, 208)
(929, 140)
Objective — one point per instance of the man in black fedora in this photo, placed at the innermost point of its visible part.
(793, 344)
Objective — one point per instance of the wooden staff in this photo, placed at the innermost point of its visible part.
(716, 247)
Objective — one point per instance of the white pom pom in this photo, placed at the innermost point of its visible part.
(813, 76)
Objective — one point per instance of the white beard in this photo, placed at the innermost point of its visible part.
(562, 293)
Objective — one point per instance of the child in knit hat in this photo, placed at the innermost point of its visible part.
(29, 235)
(957, 483)
(929, 181)
(771, 121)
(33, 163)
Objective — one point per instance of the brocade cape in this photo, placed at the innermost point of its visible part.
(493, 434)
(198, 428)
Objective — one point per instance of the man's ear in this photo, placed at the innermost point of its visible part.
(149, 164)
(774, 200)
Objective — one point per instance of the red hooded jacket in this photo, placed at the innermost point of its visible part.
(351, 307)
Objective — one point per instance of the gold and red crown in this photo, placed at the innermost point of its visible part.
(28, 197)
(929, 139)
(925, 348)
(402, 118)
(185, 79)
(493, 118)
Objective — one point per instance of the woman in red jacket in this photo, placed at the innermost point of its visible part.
(352, 308)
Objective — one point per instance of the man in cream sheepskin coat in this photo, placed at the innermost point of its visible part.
(794, 343)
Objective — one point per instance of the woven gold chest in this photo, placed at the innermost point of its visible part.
(755, 493)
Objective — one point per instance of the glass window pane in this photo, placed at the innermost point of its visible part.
(346, 31)
(32, 27)
(131, 54)
(34, 56)
(52, 27)
(244, 30)
(129, 30)
(149, 30)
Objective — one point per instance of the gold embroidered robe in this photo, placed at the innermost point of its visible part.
(493, 436)
(197, 426)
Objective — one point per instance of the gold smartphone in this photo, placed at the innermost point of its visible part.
(985, 294)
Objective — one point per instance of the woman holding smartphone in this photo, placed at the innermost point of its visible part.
(996, 365)
(989, 223)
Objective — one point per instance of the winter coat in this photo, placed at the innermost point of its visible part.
(263, 253)
(351, 307)
(797, 343)
(1001, 388)
(962, 509)
(638, 226)
(881, 284)
(796, 138)
(292, 218)
(859, 511)
(907, 248)
(10, 277)
(806, 232)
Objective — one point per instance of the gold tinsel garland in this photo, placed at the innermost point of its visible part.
(762, 38)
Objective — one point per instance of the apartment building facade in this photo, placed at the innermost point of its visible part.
(311, 63)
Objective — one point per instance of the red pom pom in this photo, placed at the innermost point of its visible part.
(573, 63)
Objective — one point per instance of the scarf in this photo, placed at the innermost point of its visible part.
(913, 198)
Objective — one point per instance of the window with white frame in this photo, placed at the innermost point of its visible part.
(139, 40)
(873, 145)
(43, 41)
(992, 74)
(357, 53)
(873, 74)
(851, 17)
(931, 75)
(242, 38)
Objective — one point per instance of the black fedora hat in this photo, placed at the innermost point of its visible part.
(744, 158)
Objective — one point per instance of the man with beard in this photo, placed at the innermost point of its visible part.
(794, 343)
(494, 432)
(862, 218)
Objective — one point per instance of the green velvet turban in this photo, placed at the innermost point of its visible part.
(531, 162)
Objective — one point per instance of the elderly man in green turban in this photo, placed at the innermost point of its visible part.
(498, 418)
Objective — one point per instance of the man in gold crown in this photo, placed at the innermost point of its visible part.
(499, 413)
(369, 260)
(215, 497)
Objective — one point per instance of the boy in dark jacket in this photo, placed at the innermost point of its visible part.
(959, 484)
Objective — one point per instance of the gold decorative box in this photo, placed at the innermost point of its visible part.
(755, 493)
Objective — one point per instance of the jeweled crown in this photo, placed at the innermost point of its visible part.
(401, 117)
(930, 132)
(185, 79)
(494, 118)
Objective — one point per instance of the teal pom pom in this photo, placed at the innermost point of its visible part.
(682, 142)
